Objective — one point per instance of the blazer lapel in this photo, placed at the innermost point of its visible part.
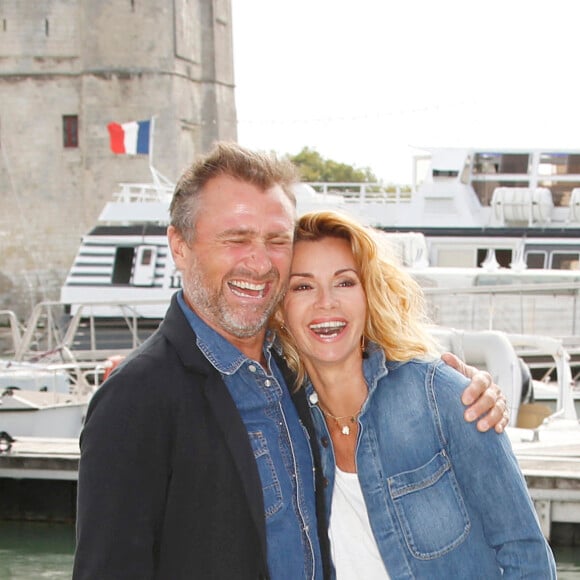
(179, 333)
(236, 437)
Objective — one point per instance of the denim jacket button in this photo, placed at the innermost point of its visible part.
(324, 441)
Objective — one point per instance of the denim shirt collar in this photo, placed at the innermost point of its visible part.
(223, 355)
(375, 366)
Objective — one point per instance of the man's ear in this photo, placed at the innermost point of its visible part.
(178, 247)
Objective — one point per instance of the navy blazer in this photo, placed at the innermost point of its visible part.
(168, 486)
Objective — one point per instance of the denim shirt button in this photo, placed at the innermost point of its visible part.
(313, 398)
(252, 368)
(324, 441)
(268, 382)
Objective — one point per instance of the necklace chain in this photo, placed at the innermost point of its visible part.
(344, 429)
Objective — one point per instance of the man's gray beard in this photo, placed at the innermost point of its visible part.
(213, 306)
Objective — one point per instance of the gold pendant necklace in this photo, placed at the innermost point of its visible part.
(344, 429)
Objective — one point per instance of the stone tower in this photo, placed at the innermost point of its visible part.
(67, 69)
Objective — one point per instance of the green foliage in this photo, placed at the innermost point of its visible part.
(313, 167)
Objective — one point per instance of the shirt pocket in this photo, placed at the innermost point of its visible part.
(271, 489)
(430, 508)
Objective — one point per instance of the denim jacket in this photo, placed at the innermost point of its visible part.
(444, 500)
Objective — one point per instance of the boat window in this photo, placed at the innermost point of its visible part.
(555, 166)
(123, 265)
(565, 261)
(485, 164)
(445, 173)
(536, 260)
(507, 163)
(503, 256)
(514, 163)
(559, 164)
(146, 256)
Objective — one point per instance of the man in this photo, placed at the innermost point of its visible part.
(195, 458)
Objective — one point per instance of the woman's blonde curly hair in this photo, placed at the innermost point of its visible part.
(395, 319)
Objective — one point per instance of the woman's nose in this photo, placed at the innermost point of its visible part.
(327, 298)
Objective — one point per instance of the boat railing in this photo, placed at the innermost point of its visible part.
(51, 335)
(551, 309)
(10, 327)
(143, 192)
(526, 345)
(361, 193)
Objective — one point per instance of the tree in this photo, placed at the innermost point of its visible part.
(313, 167)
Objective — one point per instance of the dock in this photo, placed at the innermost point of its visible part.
(549, 459)
(40, 458)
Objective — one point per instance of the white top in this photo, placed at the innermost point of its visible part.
(354, 550)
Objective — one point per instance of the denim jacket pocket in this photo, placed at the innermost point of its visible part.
(430, 508)
(271, 489)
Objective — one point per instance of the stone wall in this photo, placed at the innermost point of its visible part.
(112, 60)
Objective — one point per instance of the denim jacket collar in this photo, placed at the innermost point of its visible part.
(225, 357)
(375, 366)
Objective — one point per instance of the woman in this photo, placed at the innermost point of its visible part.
(414, 491)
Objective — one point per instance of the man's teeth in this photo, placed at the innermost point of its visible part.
(330, 328)
(242, 288)
(249, 286)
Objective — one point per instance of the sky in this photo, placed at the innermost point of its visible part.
(371, 82)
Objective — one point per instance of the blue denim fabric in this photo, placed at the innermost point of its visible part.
(281, 448)
(444, 500)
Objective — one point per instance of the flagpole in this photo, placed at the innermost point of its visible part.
(158, 178)
(151, 140)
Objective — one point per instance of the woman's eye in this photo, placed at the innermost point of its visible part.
(346, 283)
(301, 287)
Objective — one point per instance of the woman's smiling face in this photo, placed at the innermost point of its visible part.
(325, 305)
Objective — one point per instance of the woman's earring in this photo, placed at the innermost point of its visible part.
(365, 354)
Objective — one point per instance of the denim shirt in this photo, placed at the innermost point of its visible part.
(444, 500)
(281, 449)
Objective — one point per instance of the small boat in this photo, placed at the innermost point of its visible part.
(25, 413)
(44, 392)
(43, 400)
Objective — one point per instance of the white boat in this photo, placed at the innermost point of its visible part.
(517, 209)
(41, 414)
(492, 236)
(44, 400)
(44, 388)
(125, 259)
(524, 204)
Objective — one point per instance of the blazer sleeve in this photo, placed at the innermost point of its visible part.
(492, 484)
(123, 474)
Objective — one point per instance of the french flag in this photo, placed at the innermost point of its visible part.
(130, 138)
